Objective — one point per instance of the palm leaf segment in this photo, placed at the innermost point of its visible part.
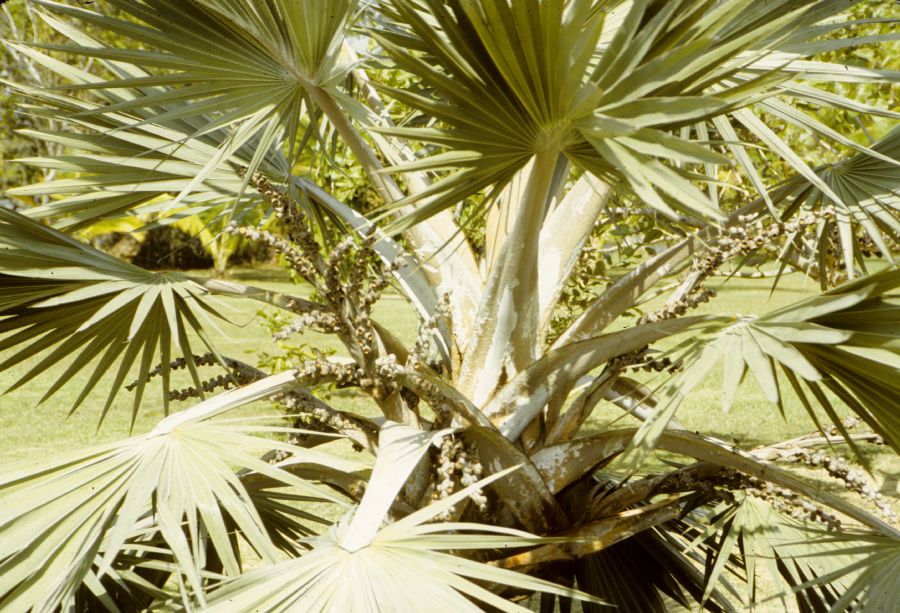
(844, 341)
(848, 570)
(749, 536)
(251, 67)
(638, 573)
(76, 304)
(855, 571)
(170, 495)
(504, 81)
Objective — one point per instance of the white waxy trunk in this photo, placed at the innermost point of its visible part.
(520, 400)
(414, 282)
(507, 323)
(501, 217)
(624, 293)
(563, 236)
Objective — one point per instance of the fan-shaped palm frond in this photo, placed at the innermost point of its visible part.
(126, 166)
(799, 99)
(74, 303)
(501, 104)
(505, 81)
(842, 341)
(361, 564)
(869, 187)
(859, 571)
(825, 570)
(330, 578)
(67, 520)
(254, 69)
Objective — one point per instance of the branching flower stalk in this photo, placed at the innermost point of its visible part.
(838, 468)
(738, 240)
(349, 281)
(239, 372)
(309, 412)
(801, 451)
(789, 502)
(223, 382)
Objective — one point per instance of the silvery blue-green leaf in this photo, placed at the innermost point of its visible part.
(66, 519)
(73, 304)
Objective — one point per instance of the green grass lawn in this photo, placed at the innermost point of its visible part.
(32, 431)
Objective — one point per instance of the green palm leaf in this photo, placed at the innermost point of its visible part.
(787, 56)
(257, 70)
(611, 95)
(864, 566)
(148, 147)
(68, 519)
(123, 167)
(844, 341)
(75, 304)
(501, 104)
(869, 188)
(826, 571)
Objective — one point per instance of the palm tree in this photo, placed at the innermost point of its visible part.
(502, 137)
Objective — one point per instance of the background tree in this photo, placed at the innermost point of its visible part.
(548, 120)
